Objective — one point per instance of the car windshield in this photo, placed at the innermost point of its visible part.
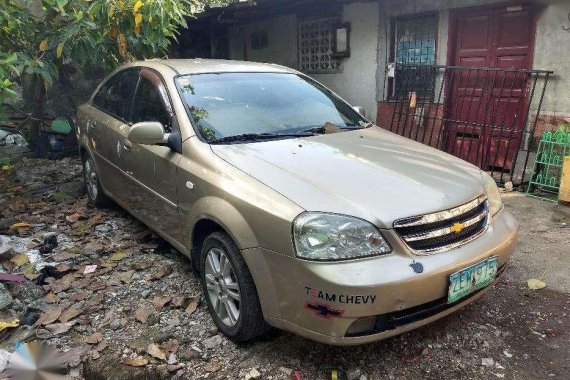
(254, 106)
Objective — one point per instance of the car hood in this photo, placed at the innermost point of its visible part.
(370, 173)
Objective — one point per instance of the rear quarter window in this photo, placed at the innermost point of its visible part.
(116, 95)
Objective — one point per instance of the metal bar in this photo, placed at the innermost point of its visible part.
(443, 83)
(400, 96)
(429, 102)
(468, 115)
(463, 97)
(502, 124)
(546, 78)
(408, 99)
(493, 122)
(477, 116)
(516, 121)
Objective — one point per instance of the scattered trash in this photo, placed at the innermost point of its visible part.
(507, 354)
(90, 269)
(5, 325)
(535, 284)
(487, 362)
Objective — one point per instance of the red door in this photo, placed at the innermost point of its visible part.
(487, 108)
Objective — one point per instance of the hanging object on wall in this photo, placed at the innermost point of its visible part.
(342, 41)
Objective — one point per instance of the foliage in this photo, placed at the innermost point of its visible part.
(84, 32)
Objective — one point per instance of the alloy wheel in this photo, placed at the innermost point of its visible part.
(222, 286)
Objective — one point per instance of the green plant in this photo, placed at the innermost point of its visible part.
(35, 44)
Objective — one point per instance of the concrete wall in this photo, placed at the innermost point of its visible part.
(358, 77)
(552, 52)
(355, 81)
(282, 36)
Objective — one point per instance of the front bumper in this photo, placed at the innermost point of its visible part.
(293, 292)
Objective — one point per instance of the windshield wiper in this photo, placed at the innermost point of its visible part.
(257, 137)
(321, 129)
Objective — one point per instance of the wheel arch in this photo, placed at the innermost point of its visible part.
(211, 214)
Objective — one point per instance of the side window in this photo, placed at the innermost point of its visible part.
(148, 105)
(116, 94)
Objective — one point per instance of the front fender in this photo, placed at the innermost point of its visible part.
(223, 213)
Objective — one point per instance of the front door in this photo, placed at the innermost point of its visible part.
(487, 108)
(152, 169)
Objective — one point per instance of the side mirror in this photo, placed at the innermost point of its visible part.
(148, 132)
(360, 110)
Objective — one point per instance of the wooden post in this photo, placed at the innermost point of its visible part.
(564, 193)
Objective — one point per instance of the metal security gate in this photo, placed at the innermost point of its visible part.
(483, 115)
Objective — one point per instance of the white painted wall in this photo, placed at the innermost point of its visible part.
(357, 81)
(552, 52)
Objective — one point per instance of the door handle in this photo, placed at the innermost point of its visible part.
(127, 145)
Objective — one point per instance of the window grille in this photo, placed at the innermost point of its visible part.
(414, 44)
(316, 45)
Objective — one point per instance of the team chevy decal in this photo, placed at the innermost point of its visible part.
(340, 298)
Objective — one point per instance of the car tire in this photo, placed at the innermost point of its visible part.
(220, 284)
(95, 193)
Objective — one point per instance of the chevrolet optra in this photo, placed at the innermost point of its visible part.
(295, 210)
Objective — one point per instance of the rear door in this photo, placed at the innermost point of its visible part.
(109, 126)
(152, 169)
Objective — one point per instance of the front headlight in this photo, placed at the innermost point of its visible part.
(320, 236)
(493, 195)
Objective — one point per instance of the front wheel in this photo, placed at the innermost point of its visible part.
(229, 289)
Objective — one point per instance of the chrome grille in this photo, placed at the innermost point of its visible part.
(444, 230)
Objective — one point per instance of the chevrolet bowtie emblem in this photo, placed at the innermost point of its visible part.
(457, 227)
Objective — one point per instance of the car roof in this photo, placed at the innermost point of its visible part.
(201, 66)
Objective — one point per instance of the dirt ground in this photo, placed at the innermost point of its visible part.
(143, 306)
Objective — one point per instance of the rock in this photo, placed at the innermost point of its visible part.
(253, 374)
(6, 299)
(353, 375)
(212, 342)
